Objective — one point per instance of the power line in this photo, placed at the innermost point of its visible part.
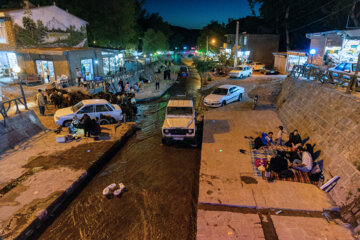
(320, 19)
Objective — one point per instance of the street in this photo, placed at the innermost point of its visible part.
(162, 182)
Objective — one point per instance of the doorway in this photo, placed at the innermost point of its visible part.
(46, 70)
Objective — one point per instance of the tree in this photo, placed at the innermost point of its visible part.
(203, 67)
(154, 41)
(211, 36)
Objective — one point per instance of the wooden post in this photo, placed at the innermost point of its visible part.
(23, 94)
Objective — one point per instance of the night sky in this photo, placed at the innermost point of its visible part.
(195, 14)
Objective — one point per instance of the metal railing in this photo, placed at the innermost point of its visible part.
(5, 106)
(335, 78)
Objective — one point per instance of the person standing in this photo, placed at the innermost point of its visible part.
(48, 74)
(40, 100)
(279, 135)
(87, 125)
(78, 77)
(157, 82)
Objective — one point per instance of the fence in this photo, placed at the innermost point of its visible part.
(5, 106)
(338, 79)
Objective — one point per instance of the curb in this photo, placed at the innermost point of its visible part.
(155, 97)
(47, 216)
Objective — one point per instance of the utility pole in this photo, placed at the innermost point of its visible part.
(236, 43)
(207, 46)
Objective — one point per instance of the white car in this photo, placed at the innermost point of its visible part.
(257, 66)
(349, 68)
(223, 95)
(240, 72)
(179, 123)
(92, 107)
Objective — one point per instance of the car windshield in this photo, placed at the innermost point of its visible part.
(220, 91)
(239, 68)
(179, 111)
(77, 106)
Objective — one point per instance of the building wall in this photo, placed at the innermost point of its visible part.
(11, 43)
(331, 120)
(262, 47)
(280, 63)
(75, 57)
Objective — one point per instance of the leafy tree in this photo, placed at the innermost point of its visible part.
(204, 67)
(213, 31)
(154, 41)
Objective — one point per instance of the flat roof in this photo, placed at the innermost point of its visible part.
(297, 53)
(347, 33)
(180, 103)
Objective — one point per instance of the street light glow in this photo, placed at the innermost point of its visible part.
(213, 41)
(313, 51)
(16, 69)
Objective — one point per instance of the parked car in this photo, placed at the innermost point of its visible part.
(92, 107)
(349, 68)
(180, 121)
(223, 95)
(257, 66)
(240, 72)
(269, 70)
(183, 72)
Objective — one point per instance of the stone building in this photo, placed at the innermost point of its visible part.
(50, 42)
(254, 47)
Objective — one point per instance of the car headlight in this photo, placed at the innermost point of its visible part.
(166, 130)
(190, 130)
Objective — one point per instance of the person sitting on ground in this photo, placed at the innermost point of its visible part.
(127, 87)
(279, 140)
(267, 138)
(306, 162)
(257, 142)
(132, 90)
(294, 140)
(74, 125)
(136, 87)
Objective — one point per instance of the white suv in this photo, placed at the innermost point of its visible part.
(180, 121)
(240, 72)
(92, 107)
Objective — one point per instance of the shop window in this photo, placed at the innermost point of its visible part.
(87, 69)
(46, 70)
(3, 35)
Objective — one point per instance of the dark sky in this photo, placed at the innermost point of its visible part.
(197, 13)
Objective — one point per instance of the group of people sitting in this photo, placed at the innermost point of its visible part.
(90, 126)
(131, 88)
(297, 158)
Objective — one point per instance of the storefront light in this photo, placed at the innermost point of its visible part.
(96, 61)
(17, 69)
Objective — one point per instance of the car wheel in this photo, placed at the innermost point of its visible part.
(104, 122)
(241, 76)
(223, 103)
(249, 75)
(112, 120)
(67, 123)
(164, 141)
(240, 97)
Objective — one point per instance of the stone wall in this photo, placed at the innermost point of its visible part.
(330, 119)
(18, 129)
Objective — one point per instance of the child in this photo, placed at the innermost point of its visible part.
(279, 135)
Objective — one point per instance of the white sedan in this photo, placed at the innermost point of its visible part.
(240, 72)
(92, 107)
(223, 95)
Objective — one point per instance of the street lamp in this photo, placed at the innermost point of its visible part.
(213, 41)
(312, 53)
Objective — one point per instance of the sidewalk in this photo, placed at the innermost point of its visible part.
(149, 92)
(40, 171)
(240, 202)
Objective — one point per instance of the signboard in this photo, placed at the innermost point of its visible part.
(98, 78)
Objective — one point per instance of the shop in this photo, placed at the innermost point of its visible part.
(87, 68)
(285, 61)
(112, 61)
(243, 56)
(46, 70)
(334, 47)
(8, 65)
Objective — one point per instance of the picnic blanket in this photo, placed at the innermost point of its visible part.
(262, 154)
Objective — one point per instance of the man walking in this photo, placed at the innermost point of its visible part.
(40, 100)
(78, 76)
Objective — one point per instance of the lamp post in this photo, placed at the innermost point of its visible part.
(213, 41)
(312, 53)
